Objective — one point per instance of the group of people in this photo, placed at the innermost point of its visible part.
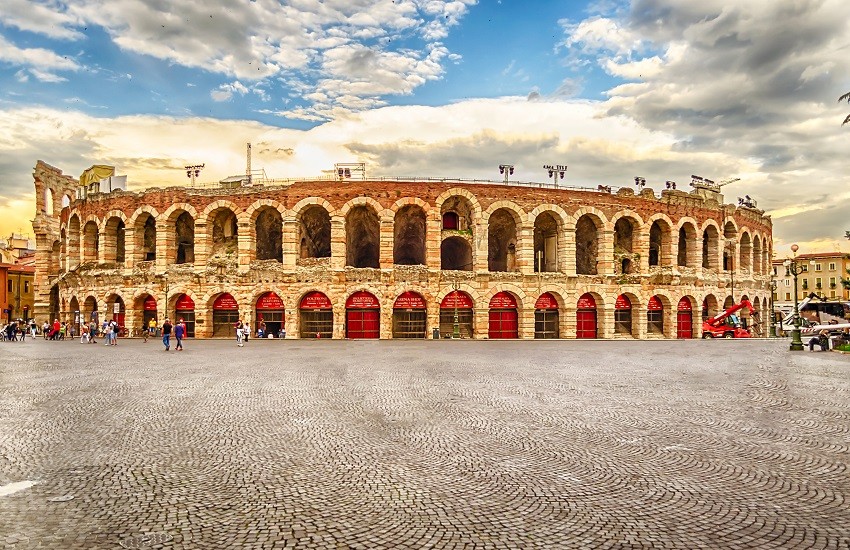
(826, 338)
(178, 329)
(17, 330)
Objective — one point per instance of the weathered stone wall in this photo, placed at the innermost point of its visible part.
(504, 228)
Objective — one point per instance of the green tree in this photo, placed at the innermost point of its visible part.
(842, 98)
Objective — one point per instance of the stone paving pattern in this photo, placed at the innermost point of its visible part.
(389, 444)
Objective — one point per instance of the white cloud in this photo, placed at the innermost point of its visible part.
(39, 62)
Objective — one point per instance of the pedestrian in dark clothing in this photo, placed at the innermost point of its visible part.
(179, 332)
(166, 334)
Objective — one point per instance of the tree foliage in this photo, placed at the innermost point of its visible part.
(842, 98)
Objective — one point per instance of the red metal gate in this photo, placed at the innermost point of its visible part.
(586, 326)
(684, 319)
(362, 316)
(504, 320)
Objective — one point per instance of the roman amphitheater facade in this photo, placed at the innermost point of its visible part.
(398, 258)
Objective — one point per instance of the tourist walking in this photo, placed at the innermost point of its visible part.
(240, 333)
(166, 334)
(84, 334)
(179, 333)
(92, 332)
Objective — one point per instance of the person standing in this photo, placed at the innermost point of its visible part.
(239, 333)
(166, 334)
(152, 327)
(179, 333)
(92, 332)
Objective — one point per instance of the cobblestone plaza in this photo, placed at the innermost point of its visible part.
(424, 444)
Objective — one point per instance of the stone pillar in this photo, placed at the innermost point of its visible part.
(385, 259)
(337, 242)
(525, 249)
(480, 247)
(567, 320)
(246, 245)
(203, 244)
(433, 240)
(605, 321)
(605, 253)
(291, 248)
(131, 252)
(569, 258)
(526, 323)
(165, 241)
(108, 243)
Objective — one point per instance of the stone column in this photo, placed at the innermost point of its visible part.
(525, 248)
(387, 237)
(338, 243)
(291, 248)
(165, 245)
(246, 245)
(605, 253)
(480, 247)
(203, 247)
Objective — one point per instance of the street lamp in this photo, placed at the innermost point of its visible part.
(507, 170)
(456, 322)
(556, 170)
(772, 315)
(193, 171)
(795, 268)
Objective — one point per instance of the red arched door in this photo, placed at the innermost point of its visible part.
(546, 319)
(409, 316)
(184, 308)
(655, 316)
(362, 316)
(684, 319)
(269, 314)
(315, 316)
(456, 315)
(504, 320)
(586, 326)
(225, 315)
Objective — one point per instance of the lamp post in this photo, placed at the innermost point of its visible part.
(556, 170)
(165, 303)
(507, 170)
(456, 321)
(795, 269)
(772, 315)
(193, 171)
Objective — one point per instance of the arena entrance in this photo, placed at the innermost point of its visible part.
(623, 315)
(184, 308)
(655, 316)
(148, 311)
(410, 318)
(315, 316)
(269, 312)
(504, 319)
(546, 318)
(116, 311)
(456, 308)
(684, 319)
(586, 325)
(362, 316)
(225, 315)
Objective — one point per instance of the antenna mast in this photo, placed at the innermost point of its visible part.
(248, 166)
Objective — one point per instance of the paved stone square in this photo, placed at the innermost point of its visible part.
(426, 444)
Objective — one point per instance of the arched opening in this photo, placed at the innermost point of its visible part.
(184, 310)
(587, 245)
(54, 303)
(586, 320)
(90, 312)
(659, 243)
(624, 233)
(116, 311)
(709, 307)
(546, 318)
(184, 231)
(546, 230)
(655, 316)
(91, 242)
(503, 318)
(315, 316)
(145, 237)
(54, 265)
(758, 265)
(501, 241)
(410, 316)
(456, 254)
(147, 305)
(456, 315)
(73, 242)
(74, 314)
(63, 249)
(457, 213)
(114, 240)
(409, 236)
(710, 246)
(223, 234)
(269, 316)
(684, 319)
(362, 238)
(225, 315)
(686, 255)
(66, 200)
(268, 230)
(362, 316)
(623, 315)
(728, 302)
(746, 252)
(314, 233)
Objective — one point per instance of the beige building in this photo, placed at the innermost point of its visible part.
(822, 274)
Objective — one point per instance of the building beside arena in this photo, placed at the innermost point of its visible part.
(396, 258)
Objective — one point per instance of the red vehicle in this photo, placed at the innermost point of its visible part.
(726, 325)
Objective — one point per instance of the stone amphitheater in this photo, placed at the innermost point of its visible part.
(397, 258)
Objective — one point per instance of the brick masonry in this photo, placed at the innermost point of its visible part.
(76, 251)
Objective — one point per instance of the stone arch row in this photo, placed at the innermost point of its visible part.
(363, 234)
(662, 315)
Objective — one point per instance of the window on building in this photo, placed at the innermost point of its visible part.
(832, 282)
(775, 271)
(818, 283)
(805, 284)
(775, 297)
(805, 267)
(832, 266)
(787, 282)
(817, 267)
(10, 285)
(787, 296)
(832, 294)
(26, 287)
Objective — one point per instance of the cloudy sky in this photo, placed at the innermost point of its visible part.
(615, 89)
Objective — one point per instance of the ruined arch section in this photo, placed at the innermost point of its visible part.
(52, 190)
